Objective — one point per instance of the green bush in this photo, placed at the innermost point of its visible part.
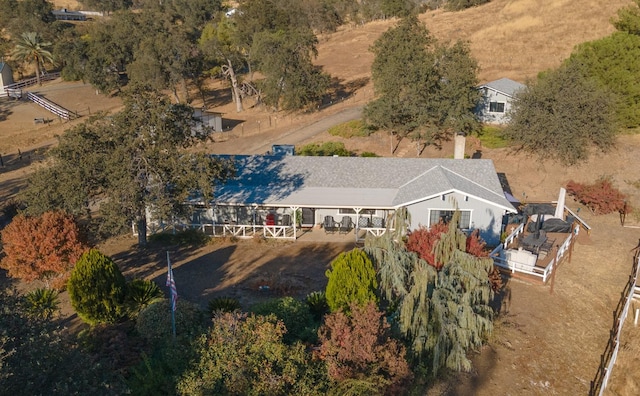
(368, 154)
(317, 302)
(223, 304)
(295, 315)
(154, 322)
(158, 373)
(42, 303)
(188, 237)
(97, 289)
(246, 355)
(327, 149)
(141, 293)
(350, 129)
(352, 278)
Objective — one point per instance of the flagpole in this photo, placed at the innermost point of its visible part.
(173, 298)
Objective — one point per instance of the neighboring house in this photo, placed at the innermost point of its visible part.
(361, 191)
(6, 77)
(497, 97)
(66, 15)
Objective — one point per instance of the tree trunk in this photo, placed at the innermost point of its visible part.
(235, 90)
(142, 230)
(38, 72)
(174, 89)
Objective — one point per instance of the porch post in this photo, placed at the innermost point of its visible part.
(294, 209)
(357, 227)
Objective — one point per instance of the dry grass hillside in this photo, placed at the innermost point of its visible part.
(509, 38)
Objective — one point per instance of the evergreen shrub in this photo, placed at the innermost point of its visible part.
(97, 289)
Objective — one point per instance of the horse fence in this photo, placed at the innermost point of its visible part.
(608, 358)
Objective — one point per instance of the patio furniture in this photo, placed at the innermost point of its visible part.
(286, 220)
(270, 219)
(346, 224)
(378, 222)
(329, 224)
(363, 222)
(545, 248)
(533, 242)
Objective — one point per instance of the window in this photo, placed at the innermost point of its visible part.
(445, 216)
(351, 211)
(496, 107)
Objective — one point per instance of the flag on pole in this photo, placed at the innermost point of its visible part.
(171, 283)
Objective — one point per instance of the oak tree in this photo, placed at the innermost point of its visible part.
(562, 116)
(133, 163)
(425, 90)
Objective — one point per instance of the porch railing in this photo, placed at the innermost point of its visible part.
(226, 230)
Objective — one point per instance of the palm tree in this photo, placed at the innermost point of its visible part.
(31, 48)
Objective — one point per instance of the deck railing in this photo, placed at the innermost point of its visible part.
(514, 266)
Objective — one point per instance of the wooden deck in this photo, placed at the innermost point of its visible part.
(545, 264)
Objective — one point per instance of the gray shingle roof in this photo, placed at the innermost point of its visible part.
(504, 85)
(356, 181)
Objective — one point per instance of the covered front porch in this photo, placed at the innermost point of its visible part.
(278, 222)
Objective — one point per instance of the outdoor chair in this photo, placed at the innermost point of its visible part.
(378, 222)
(329, 224)
(270, 219)
(363, 222)
(346, 224)
(286, 220)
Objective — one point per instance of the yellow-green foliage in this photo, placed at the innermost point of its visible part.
(352, 279)
(349, 129)
(492, 137)
(97, 289)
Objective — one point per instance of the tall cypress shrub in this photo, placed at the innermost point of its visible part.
(97, 289)
(352, 279)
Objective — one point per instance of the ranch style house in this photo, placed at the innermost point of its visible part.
(277, 195)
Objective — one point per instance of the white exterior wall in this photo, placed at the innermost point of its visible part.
(484, 216)
(6, 78)
(490, 95)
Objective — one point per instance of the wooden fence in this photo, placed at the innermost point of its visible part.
(30, 81)
(52, 107)
(608, 358)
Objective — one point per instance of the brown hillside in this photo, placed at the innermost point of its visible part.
(509, 38)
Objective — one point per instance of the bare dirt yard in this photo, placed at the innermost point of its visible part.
(544, 343)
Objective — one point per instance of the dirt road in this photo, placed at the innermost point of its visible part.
(296, 135)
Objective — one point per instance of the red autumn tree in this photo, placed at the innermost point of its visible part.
(424, 239)
(359, 347)
(44, 247)
(476, 245)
